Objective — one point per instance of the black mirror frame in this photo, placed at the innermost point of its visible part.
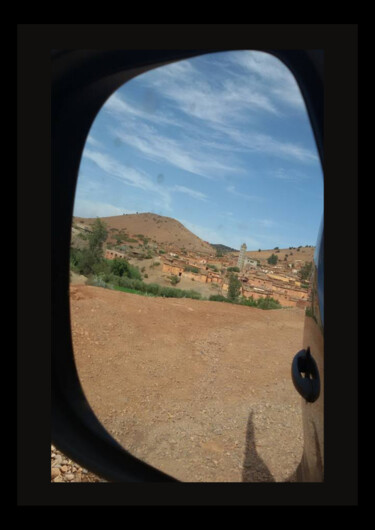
(81, 82)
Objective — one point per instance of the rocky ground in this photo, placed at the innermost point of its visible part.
(201, 390)
(65, 470)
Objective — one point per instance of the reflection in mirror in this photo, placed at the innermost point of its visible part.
(197, 208)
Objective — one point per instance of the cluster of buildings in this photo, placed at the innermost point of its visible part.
(277, 281)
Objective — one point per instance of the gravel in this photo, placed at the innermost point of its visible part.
(65, 470)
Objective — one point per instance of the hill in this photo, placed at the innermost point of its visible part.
(223, 248)
(290, 255)
(168, 233)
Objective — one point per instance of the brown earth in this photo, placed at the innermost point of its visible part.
(201, 390)
(163, 230)
(304, 254)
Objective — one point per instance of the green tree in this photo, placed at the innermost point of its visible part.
(97, 237)
(305, 271)
(119, 267)
(273, 259)
(233, 269)
(234, 289)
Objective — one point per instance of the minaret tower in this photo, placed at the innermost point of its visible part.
(241, 257)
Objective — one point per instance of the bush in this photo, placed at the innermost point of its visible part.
(268, 303)
(219, 298)
(305, 271)
(273, 259)
(261, 303)
(96, 281)
(174, 279)
(191, 268)
(234, 288)
(233, 269)
(249, 301)
(192, 294)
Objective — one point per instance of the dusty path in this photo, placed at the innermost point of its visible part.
(201, 390)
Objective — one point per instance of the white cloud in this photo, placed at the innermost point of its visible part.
(187, 154)
(92, 141)
(87, 208)
(222, 236)
(233, 191)
(121, 109)
(127, 175)
(193, 193)
(290, 174)
(271, 76)
(212, 99)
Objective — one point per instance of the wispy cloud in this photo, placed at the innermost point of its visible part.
(290, 174)
(87, 208)
(214, 100)
(271, 76)
(127, 175)
(192, 193)
(232, 190)
(226, 102)
(122, 109)
(266, 223)
(92, 141)
(186, 154)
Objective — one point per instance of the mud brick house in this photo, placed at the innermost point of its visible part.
(113, 254)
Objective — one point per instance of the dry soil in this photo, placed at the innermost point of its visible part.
(201, 390)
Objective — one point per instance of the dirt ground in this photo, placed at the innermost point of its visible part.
(201, 390)
(155, 275)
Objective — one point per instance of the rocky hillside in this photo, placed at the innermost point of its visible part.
(165, 231)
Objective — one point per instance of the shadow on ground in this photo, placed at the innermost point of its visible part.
(254, 469)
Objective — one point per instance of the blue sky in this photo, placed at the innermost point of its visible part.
(221, 142)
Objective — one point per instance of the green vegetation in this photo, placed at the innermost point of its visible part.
(222, 249)
(156, 289)
(234, 289)
(273, 259)
(219, 298)
(86, 261)
(191, 268)
(305, 271)
(233, 269)
(261, 303)
(174, 279)
(213, 267)
(309, 312)
(120, 267)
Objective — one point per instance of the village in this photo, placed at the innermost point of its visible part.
(268, 273)
(258, 278)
